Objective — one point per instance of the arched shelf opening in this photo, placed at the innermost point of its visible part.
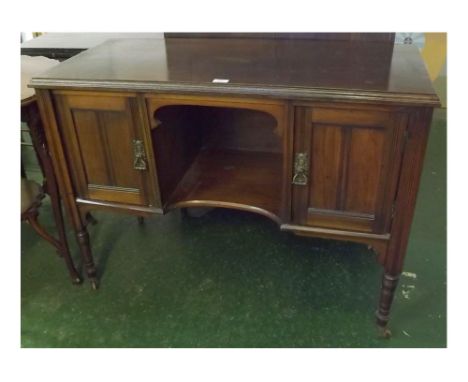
(219, 157)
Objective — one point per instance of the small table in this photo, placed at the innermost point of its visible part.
(62, 46)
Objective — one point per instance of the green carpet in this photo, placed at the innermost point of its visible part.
(232, 279)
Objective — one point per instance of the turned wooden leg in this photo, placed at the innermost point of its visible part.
(60, 246)
(63, 180)
(387, 292)
(417, 132)
(82, 237)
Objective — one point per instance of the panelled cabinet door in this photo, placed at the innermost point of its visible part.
(346, 164)
(105, 147)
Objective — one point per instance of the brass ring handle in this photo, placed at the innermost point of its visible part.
(139, 157)
(301, 169)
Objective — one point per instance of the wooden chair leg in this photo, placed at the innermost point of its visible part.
(59, 223)
(63, 249)
(32, 220)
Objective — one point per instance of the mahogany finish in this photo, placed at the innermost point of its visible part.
(326, 138)
(367, 71)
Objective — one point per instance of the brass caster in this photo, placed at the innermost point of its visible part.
(94, 284)
(77, 280)
(384, 332)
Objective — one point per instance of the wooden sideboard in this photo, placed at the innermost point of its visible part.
(326, 138)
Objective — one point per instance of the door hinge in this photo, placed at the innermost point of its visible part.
(301, 169)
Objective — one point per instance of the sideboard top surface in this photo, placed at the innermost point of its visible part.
(356, 70)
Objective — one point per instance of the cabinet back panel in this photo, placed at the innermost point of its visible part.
(180, 131)
(242, 129)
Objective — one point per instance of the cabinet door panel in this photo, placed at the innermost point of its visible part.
(325, 168)
(118, 139)
(98, 133)
(363, 174)
(92, 153)
(353, 167)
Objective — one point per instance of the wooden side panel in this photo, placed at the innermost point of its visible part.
(411, 169)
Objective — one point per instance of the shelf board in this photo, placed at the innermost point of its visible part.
(245, 180)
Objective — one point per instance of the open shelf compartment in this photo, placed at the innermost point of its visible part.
(218, 157)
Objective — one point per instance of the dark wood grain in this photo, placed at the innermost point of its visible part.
(367, 71)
